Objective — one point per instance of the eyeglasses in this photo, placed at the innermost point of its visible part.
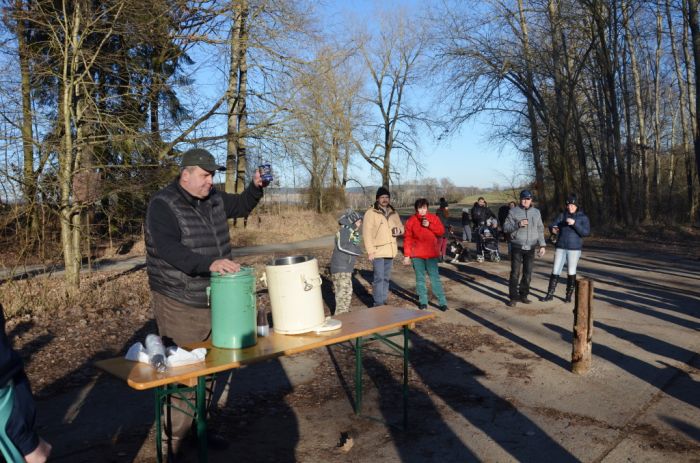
(525, 199)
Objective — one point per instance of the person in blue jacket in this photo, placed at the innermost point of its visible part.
(16, 394)
(570, 227)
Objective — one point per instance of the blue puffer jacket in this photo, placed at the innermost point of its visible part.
(571, 237)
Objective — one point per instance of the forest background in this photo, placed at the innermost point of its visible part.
(99, 99)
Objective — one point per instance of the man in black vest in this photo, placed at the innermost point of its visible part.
(187, 238)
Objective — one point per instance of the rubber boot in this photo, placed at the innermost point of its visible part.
(570, 286)
(553, 280)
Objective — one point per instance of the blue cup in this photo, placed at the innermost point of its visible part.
(266, 173)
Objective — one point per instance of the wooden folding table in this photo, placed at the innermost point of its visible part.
(376, 323)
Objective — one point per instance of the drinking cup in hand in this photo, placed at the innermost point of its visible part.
(424, 221)
(523, 223)
(570, 221)
(396, 231)
(266, 173)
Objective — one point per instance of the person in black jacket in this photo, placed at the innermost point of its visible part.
(571, 226)
(187, 238)
(16, 392)
(480, 213)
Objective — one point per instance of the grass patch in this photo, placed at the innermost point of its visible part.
(283, 227)
(495, 199)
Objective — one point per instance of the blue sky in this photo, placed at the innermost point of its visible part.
(468, 158)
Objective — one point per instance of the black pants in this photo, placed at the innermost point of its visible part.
(520, 257)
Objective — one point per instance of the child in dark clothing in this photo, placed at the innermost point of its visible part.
(347, 248)
(16, 395)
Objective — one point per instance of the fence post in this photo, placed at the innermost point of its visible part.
(583, 327)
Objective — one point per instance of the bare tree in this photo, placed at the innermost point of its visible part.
(392, 60)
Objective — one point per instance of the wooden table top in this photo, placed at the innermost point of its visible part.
(355, 324)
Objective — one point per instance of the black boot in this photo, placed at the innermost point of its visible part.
(570, 285)
(553, 280)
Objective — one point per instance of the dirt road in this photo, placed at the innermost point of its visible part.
(488, 383)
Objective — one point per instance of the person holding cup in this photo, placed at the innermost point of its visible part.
(187, 238)
(526, 230)
(571, 226)
(420, 248)
(381, 226)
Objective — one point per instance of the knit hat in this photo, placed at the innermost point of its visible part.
(381, 191)
(571, 199)
(525, 194)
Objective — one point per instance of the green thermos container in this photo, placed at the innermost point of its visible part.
(233, 309)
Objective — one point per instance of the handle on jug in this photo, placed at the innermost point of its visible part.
(309, 284)
(208, 294)
(263, 279)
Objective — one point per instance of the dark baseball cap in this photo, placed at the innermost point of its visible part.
(525, 194)
(200, 158)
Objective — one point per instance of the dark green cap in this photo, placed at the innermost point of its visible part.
(200, 158)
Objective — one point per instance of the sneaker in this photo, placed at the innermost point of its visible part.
(422, 306)
(512, 303)
(525, 300)
(454, 261)
(443, 308)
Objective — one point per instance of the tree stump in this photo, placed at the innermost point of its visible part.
(583, 327)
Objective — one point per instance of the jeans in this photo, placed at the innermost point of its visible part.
(570, 256)
(467, 233)
(382, 276)
(420, 266)
(520, 258)
(442, 246)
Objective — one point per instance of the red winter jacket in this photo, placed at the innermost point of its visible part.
(420, 241)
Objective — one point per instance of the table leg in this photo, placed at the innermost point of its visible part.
(405, 378)
(201, 420)
(159, 424)
(358, 375)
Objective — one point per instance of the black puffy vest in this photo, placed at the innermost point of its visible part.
(204, 230)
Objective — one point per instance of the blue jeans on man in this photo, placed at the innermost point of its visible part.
(382, 276)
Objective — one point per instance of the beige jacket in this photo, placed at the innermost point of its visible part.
(376, 232)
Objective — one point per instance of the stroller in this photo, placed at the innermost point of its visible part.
(459, 252)
(487, 242)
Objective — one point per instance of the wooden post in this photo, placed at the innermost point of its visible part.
(583, 327)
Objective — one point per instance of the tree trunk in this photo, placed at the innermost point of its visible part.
(694, 22)
(29, 179)
(236, 160)
(684, 103)
(532, 117)
(641, 119)
(71, 254)
(608, 67)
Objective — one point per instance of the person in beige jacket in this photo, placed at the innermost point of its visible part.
(380, 227)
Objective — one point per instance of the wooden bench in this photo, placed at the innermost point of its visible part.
(372, 324)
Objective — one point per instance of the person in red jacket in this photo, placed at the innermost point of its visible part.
(420, 248)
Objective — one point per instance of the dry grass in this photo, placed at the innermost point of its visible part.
(283, 226)
(47, 295)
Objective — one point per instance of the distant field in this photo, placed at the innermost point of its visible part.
(494, 199)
